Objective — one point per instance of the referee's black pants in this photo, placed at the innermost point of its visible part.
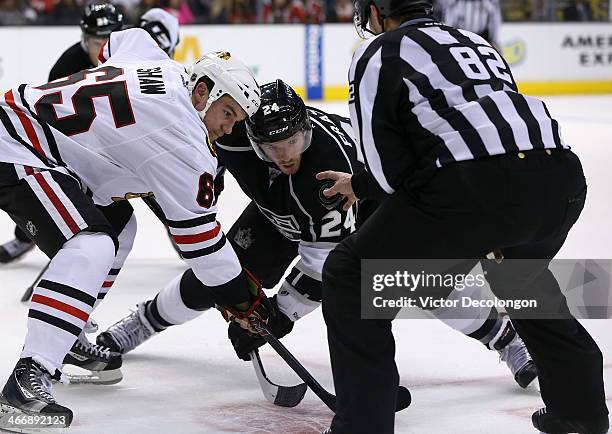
(523, 204)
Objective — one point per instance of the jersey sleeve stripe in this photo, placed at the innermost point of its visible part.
(51, 142)
(205, 251)
(11, 130)
(191, 223)
(305, 285)
(197, 238)
(25, 122)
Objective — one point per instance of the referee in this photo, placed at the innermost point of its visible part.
(471, 167)
(482, 17)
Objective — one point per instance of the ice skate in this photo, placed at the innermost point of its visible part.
(127, 333)
(14, 249)
(27, 403)
(104, 365)
(553, 423)
(513, 351)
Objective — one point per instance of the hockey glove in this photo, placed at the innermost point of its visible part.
(250, 315)
(244, 343)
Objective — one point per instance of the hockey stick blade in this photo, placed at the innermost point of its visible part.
(404, 398)
(283, 396)
(327, 398)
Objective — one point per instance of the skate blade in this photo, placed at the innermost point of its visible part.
(12, 421)
(96, 377)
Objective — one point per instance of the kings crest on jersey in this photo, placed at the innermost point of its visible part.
(295, 203)
(126, 129)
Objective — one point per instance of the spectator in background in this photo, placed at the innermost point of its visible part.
(577, 10)
(181, 10)
(281, 12)
(343, 11)
(15, 13)
(243, 12)
(314, 13)
(65, 12)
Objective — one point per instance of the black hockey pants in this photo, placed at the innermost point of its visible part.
(523, 204)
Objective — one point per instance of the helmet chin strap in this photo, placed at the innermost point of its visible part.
(210, 102)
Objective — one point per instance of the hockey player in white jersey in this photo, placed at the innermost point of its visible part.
(138, 125)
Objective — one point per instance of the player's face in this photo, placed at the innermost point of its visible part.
(93, 48)
(221, 117)
(286, 154)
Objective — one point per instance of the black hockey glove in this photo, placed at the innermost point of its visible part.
(250, 315)
(244, 342)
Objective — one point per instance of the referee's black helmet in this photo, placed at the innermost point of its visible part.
(386, 9)
(99, 20)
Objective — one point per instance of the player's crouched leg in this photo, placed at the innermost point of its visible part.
(362, 351)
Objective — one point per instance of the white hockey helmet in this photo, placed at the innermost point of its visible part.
(229, 76)
(163, 27)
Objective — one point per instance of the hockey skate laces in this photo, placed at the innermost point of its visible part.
(96, 350)
(40, 380)
(515, 354)
(131, 331)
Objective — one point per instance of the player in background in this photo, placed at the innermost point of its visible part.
(482, 17)
(474, 169)
(151, 135)
(104, 365)
(97, 23)
(275, 156)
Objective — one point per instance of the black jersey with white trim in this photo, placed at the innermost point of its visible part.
(426, 95)
(295, 203)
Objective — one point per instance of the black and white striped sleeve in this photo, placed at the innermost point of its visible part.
(376, 95)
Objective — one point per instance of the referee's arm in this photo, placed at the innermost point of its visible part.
(378, 94)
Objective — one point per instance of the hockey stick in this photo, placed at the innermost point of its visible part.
(403, 395)
(283, 396)
(27, 295)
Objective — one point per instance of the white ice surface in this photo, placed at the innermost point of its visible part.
(188, 380)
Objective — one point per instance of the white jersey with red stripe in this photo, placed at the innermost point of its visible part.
(127, 129)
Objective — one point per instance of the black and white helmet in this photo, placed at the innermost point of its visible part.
(99, 20)
(229, 76)
(282, 114)
(163, 27)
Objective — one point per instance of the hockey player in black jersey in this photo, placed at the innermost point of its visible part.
(275, 157)
(474, 170)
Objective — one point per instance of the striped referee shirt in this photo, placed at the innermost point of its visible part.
(426, 95)
(482, 17)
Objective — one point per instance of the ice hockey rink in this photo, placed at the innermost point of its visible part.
(188, 379)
